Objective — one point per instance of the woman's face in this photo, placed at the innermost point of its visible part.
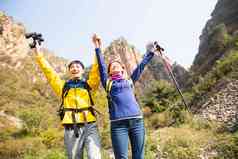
(76, 71)
(115, 68)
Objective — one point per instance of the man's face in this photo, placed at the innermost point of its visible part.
(115, 68)
(76, 71)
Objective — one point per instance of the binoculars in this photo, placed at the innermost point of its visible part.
(37, 38)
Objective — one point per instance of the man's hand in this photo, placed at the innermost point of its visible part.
(97, 41)
(37, 50)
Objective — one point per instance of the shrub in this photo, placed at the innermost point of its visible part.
(52, 138)
(227, 147)
(151, 146)
(183, 142)
(16, 149)
(32, 119)
(55, 154)
(224, 68)
(160, 120)
(219, 38)
(162, 95)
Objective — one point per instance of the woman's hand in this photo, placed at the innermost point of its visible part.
(97, 41)
(150, 47)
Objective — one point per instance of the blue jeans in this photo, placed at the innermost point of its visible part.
(123, 130)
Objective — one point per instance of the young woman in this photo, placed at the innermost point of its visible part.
(125, 114)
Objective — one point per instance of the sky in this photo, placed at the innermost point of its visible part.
(68, 25)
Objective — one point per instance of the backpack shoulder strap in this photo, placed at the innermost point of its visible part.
(92, 108)
(108, 85)
(131, 82)
(88, 88)
(65, 91)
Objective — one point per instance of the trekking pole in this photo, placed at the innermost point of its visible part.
(160, 49)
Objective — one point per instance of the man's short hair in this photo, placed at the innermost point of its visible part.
(75, 62)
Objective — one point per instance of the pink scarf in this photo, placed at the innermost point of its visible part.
(116, 76)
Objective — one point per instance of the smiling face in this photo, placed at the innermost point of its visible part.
(115, 68)
(76, 70)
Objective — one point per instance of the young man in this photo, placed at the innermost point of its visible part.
(79, 121)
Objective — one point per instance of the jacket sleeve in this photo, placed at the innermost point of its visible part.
(52, 77)
(139, 69)
(102, 67)
(93, 77)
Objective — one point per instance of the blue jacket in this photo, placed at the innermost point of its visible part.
(123, 102)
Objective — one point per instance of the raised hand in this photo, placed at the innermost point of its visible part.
(97, 41)
(37, 49)
(151, 47)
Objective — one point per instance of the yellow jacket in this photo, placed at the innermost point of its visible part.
(77, 97)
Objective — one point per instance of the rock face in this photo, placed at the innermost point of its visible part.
(215, 36)
(218, 39)
(13, 45)
(181, 75)
(10, 121)
(226, 12)
(223, 106)
(120, 49)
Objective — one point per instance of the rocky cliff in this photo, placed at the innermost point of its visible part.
(223, 105)
(216, 36)
(226, 12)
(13, 45)
(215, 66)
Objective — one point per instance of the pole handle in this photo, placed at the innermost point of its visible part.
(158, 47)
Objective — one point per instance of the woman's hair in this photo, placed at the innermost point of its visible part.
(110, 64)
(75, 62)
